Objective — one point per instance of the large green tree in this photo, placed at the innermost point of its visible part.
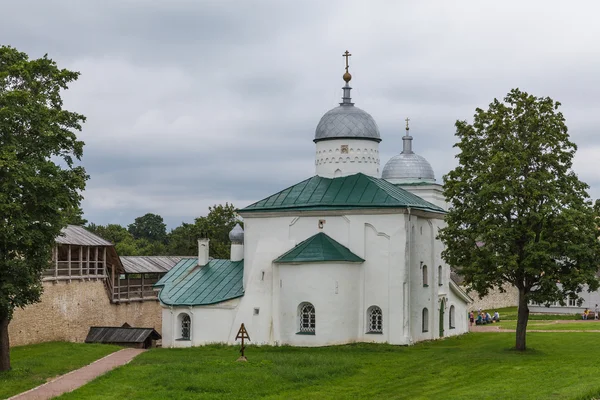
(150, 227)
(40, 183)
(518, 213)
(221, 219)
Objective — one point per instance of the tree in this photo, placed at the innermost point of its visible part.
(40, 184)
(183, 240)
(149, 226)
(114, 233)
(518, 214)
(75, 217)
(216, 226)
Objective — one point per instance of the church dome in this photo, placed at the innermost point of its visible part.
(237, 234)
(347, 121)
(408, 167)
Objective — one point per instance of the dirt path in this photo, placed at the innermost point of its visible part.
(74, 379)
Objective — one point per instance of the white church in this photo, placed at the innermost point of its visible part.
(343, 256)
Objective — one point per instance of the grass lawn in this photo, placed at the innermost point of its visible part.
(34, 364)
(510, 314)
(473, 366)
(552, 325)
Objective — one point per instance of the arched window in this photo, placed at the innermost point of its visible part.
(375, 320)
(440, 282)
(425, 320)
(425, 276)
(307, 318)
(451, 317)
(185, 323)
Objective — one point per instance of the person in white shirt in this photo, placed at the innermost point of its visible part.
(496, 317)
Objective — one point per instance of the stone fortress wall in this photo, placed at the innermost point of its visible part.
(69, 309)
(495, 299)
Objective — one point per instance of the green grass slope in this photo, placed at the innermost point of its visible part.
(473, 366)
(35, 364)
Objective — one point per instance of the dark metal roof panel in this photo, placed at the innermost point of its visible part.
(78, 235)
(350, 192)
(191, 285)
(149, 264)
(109, 334)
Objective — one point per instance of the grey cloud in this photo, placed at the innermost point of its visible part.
(192, 103)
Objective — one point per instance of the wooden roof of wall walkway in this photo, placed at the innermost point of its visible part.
(78, 235)
(358, 191)
(149, 264)
(189, 284)
(112, 334)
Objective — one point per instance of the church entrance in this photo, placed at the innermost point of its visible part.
(442, 306)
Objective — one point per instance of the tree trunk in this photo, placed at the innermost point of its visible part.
(4, 345)
(522, 318)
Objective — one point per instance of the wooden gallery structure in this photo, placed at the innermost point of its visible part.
(81, 255)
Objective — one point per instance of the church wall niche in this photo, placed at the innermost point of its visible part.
(376, 270)
(423, 295)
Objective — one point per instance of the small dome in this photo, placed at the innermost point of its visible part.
(347, 121)
(408, 168)
(237, 234)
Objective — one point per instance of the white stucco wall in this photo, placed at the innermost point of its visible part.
(331, 161)
(209, 324)
(395, 247)
(333, 289)
(433, 193)
(461, 322)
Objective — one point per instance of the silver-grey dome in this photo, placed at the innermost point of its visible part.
(237, 234)
(347, 121)
(408, 168)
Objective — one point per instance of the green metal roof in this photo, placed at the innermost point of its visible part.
(188, 284)
(318, 248)
(349, 192)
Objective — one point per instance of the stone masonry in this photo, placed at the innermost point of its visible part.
(495, 299)
(68, 309)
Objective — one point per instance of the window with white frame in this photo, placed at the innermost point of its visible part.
(425, 281)
(425, 320)
(440, 282)
(186, 323)
(375, 320)
(572, 302)
(307, 318)
(451, 317)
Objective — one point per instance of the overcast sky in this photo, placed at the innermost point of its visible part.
(195, 103)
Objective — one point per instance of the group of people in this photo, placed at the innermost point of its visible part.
(483, 318)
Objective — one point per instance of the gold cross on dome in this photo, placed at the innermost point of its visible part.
(347, 55)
